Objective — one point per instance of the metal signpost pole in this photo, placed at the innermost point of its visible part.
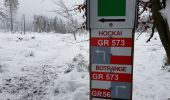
(111, 24)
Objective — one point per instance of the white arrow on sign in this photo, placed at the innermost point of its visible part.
(118, 87)
(104, 56)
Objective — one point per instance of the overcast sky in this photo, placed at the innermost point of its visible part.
(31, 7)
(39, 7)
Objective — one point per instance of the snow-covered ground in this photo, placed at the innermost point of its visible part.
(43, 67)
(55, 67)
(151, 77)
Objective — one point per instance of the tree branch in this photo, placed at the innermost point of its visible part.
(152, 34)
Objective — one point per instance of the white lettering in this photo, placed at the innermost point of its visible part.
(101, 94)
(103, 42)
(97, 76)
(118, 42)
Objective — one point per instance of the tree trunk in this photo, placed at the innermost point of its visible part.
(11, 17)
(162, 27)
(24, 22)
(75, 36)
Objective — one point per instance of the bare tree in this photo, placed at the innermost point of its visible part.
(161, 25)
(157, 21)
(67, 13)
(12, 6)
(23, 24)
(3, 18)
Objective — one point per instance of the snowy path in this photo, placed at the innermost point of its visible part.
(151, 82)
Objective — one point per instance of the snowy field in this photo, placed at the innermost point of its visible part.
(151, 77)
(55, 67)
(43, 67)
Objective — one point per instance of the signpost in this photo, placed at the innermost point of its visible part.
(111, 13)
(111, 24)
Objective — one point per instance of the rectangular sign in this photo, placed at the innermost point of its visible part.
(111, 64)
(117, 7)
(111, 24)
(102, 93)
(111, 90)
(126, 60)
(111, 13)
(111, 68)
(111, 42)
(111, 33)
(113, 77)
(107, 55)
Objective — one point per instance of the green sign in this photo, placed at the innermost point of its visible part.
(111, 7)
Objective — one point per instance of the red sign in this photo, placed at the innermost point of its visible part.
(127, 60)
(111, 42)
(101, 93)
(114, 77)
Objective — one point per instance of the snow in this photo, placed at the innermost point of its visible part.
(144, 17)
(151, 80)
(55, 67)
(54, 64)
